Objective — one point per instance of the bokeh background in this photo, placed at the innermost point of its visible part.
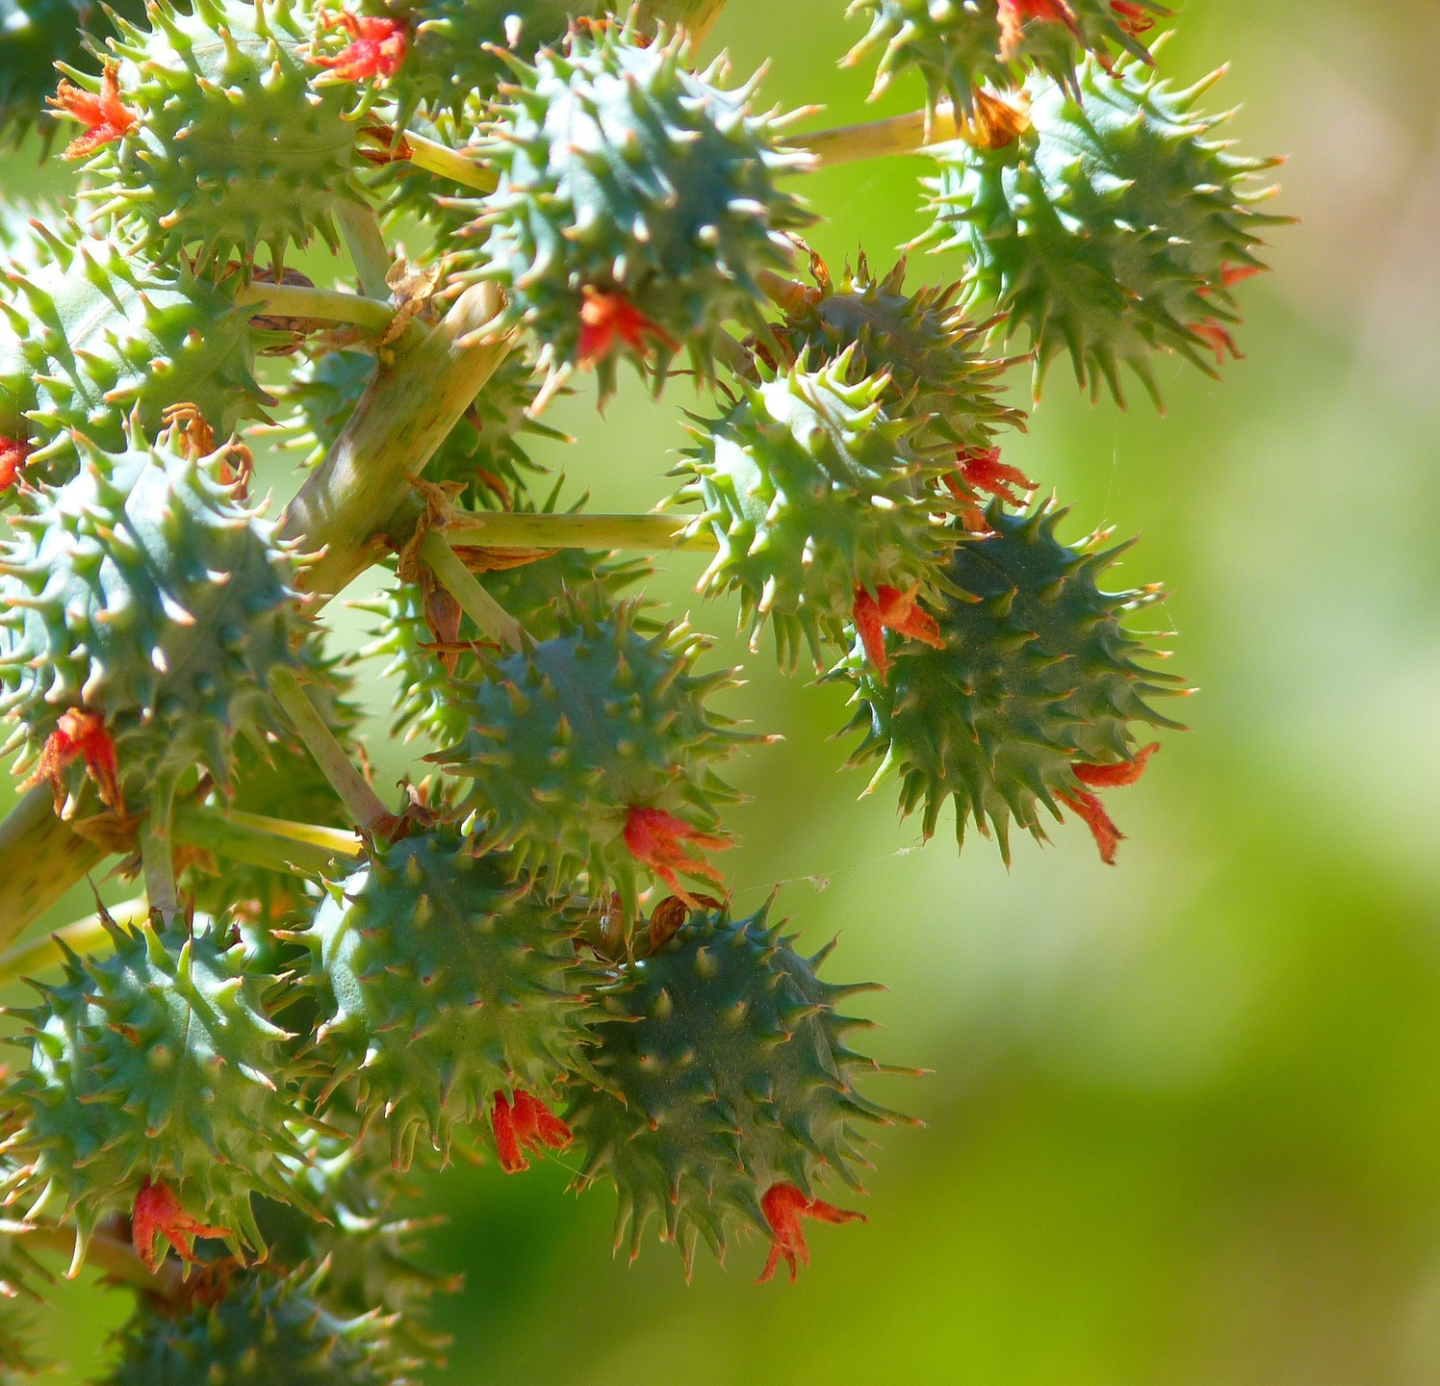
(1184, 1116)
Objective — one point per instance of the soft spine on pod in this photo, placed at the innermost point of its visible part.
(1030, 695)
(637, 202)
(729, 1092)
(101, 335)
(448, 989)
(143, 600)
(922, 344)
(230, 140)
(1112, 227)
(959, 46)
(815, 496)
(591, 752)
(264, 1328)
(157, 1088)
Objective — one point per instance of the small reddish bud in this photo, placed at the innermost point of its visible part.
(892, 609)
(607, 319)
(158, 1214)
(1113, 776)
(784, 1206)
(1015, 14)
(1134, 20)
(80, 735)
(657, 839)
(104, 115)
(13, 455)
(377, 49)
(525, 1123)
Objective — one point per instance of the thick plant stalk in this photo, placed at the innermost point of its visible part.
(326, 305)
(877, 139)
(159, 865)
(260, 841)
(649, 533)
(493, 620)
(40, 859)
(449, 163)
(406, 413)
(365, 806)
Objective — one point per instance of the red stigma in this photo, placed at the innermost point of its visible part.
(784, 1205)
(80, 735)
(657, 839)
(525, 1123)
(1015, 14)
(377, 48)
(158, 1214)
(980, 469)
(892, 609)
(1088, 807)
(1218, 339)
(1113, 776)
(104, 115)
(1133, 19)
(610, 318)
(13, 454)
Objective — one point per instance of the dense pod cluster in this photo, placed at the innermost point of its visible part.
(1112, 228)
(341, 970)
(637, 203)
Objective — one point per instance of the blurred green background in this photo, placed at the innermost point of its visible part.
(1184, 1119)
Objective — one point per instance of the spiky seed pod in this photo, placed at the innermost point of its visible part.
(34, 36)
(260, 1330)
(725, 1072)
(637, 202)
(17, 1334)
(444, 981)
(155, 1066)
(568, 739)
(452, 60)
(484, 451)
(813, 492)
(1112, 228)
(1036, 673)
(103, 334)
(364, 1237)
(960, 45)
(236, 144)
(145, 593)
(922, 343)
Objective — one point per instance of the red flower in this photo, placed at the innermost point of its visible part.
(1134, 20)
(13, 452)
(784, 1205)
(656, 839)
(1217, 337)
(610, 318)
(892, 609)
(1088, 806)
(378, 48)
(525, 1122)
(982, 470)
(1014, 14)
(80, 734)
(104, 116)
(158, 1214)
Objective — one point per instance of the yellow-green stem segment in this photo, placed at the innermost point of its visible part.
(650, 533)
(493, 621)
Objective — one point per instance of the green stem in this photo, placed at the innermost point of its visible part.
(355, 793)
(327, 305)
(507, 530)
(159, 864)
(877, 139)
(493, 621)
(368, 251)
(40, 859)
(445, 162)
(85, 936)
(112, 1255)
(406, 412)
(268, 842)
